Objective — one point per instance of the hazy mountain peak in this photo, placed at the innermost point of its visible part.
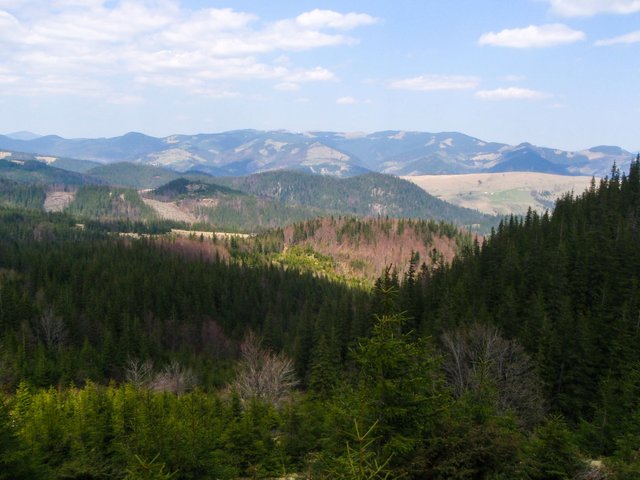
(23, 135)
(608, 150)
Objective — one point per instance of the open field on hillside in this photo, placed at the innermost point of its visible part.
(57, 201)
(501, 193)
(169, 211)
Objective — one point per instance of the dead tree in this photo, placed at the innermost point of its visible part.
(174, 378)
(263, 374)
(52, 330)
(478, 356)
(138, 372)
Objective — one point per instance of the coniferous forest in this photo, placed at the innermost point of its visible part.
(124, 357)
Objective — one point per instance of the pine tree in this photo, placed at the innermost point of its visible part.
(17, 462)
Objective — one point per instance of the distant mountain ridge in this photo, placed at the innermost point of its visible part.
(23, 135)
(243, 152)
(38, 172)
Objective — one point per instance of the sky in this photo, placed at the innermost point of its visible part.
(557, 73)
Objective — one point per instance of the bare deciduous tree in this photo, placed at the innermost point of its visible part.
(139, 372)
(52, 330)
(174, 378)
(263, 374)
(477, 355)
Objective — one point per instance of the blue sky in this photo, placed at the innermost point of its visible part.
(558, 73)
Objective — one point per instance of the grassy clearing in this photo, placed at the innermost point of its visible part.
(501, 193)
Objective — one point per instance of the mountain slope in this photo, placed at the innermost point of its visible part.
(363, 248)
(23, 135)
(566, 285)
(184, 188)
(224, 208)
(133, 175)
(125, 174)
(243, 152)
(502, 193)
(71, 164)
(33, 171)
(372, 194)
(107, 203)
(14, 194)
(130, 146)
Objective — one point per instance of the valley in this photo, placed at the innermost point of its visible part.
(319, 240)
(287, 309)
(490, 177)
(290, 339)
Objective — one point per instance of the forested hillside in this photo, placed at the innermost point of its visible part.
(150, 358)
(567, 287)
(16, 194)
(107, 203)
(363, 248)
(33, 171)
(369, 195)
(247, 204)
(130, 175)
(277, 199)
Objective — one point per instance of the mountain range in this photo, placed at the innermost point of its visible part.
(243, 152)
(248, 203)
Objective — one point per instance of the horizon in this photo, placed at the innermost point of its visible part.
(554, 73)
(302, 132)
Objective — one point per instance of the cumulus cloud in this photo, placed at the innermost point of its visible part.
(533, 36)
(435, 82)
(585, 8)
(90, 46)
(633, 37)
(330, 19)
(313, 75)
(287, 87)
(346, 101)
(511, 93)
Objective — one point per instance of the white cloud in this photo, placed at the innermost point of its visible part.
(283, 60)
(633, 37)
(318, 74)
(125, 99)
(511, 93)
(533, 36)
(214, 92)
(287, 87)
(436, 82)
(5, 79)
(90, 46)
(7, 20)
(585, 8)
(330, 19)
(346, 101)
